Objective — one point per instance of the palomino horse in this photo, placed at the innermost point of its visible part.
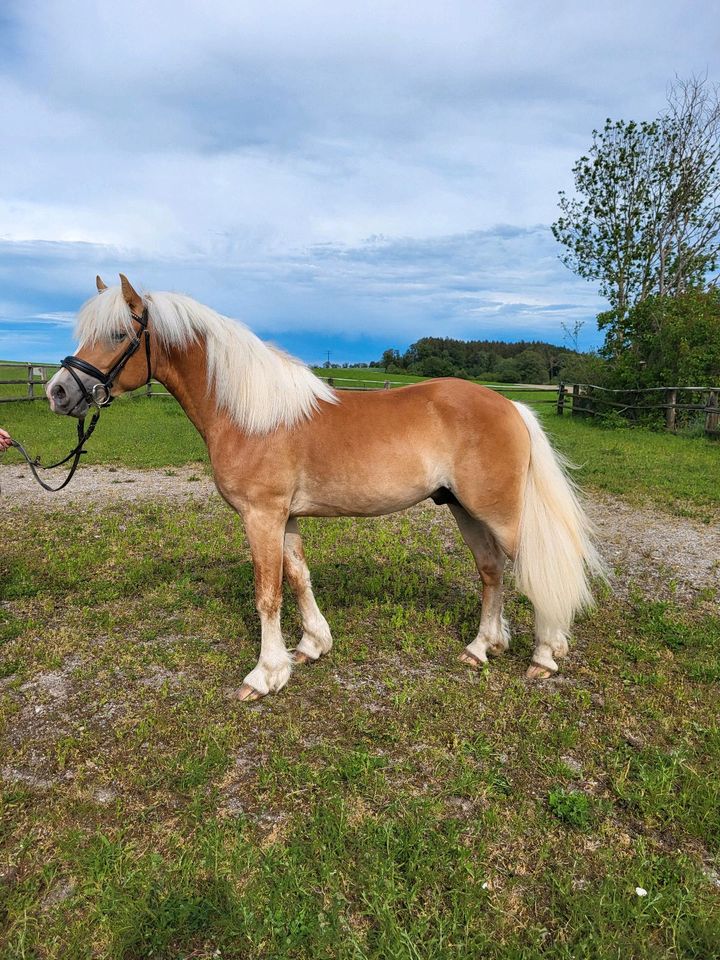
(284, 445)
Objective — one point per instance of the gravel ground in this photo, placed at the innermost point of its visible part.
(660, 552)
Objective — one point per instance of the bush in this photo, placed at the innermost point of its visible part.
(671, 341)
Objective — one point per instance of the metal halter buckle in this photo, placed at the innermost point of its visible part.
(101, 394)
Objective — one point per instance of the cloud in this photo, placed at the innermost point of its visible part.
(315, 166)
(478, 284)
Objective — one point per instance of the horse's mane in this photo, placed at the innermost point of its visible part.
(260, 386)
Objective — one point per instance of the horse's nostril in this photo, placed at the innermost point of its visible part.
(58, 392)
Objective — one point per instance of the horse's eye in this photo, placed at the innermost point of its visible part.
(117, 336)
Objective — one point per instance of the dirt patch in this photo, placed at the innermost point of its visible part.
(100, 484)
(657, 552)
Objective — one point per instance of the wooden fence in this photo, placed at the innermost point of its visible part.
(36, 375)
(31, 376)
(673, 404)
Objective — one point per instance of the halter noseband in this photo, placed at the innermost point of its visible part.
(100, 395)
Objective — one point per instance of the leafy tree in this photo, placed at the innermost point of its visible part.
(444, 356)
(645, 220)
(507, 371)
(675, 341)
(390, 358)
(531, 367)
(435, 366)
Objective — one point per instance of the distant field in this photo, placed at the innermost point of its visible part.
(380, 376)
(365, 373)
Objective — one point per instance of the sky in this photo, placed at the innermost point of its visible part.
(342, 177)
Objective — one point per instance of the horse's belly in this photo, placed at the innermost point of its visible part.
(357, 503)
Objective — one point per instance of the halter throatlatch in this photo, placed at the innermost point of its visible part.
(100, 395)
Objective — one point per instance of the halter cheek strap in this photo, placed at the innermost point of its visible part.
(100, 394)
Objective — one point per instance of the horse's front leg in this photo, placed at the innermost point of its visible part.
(316, 638)
(265, 531)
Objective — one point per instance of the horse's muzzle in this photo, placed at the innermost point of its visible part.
(65, 396)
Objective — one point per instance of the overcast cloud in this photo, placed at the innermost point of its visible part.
(340, 177)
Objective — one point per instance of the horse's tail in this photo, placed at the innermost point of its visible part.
(556, 554)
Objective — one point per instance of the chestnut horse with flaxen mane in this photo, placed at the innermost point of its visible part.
(284, 445)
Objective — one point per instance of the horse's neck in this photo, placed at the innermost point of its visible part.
(184, 373)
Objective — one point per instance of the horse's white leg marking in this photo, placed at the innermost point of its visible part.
(265, 533)
(493, 634)
(550, 645)
(316, 638)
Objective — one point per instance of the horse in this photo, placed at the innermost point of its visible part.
(283, 444)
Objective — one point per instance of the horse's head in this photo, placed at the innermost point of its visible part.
(114, 354)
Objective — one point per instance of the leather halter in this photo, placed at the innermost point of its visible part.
(100, 395)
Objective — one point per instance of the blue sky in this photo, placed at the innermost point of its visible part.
(339, 176)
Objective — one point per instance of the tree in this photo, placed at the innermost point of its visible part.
(531, 367)
(434, 366)
(507, 371)
(675, 341)
(390, 358)
(646, 218)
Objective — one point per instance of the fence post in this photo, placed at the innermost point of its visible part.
(386, 385)
(712, 415)
(31, 383)
(670, 411)
(576, 409)
(331, 382)
(561, 399)
(148, 389)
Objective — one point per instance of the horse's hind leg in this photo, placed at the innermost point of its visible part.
(493, 634)
(551, 645)
(316, 638)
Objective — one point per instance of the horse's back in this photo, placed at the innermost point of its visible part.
(446, 407)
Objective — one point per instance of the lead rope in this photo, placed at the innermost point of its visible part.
(106, 381)
(77, 451)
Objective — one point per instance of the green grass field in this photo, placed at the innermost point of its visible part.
(388, 804)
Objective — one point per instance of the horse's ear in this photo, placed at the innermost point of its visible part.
(100, 284)
(132, 298)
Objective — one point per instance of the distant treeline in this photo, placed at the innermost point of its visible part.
(526, 361)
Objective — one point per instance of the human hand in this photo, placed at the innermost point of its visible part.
(5, 440)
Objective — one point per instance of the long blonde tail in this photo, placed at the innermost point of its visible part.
(556, 554)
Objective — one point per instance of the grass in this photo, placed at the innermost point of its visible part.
(134, 432)
(677, 474)
(369, 374)
(10, 370)
(388, 804)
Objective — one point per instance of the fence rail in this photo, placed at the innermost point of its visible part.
(590, 400)
(38, 374)
(585, 399)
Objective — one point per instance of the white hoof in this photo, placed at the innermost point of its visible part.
(494, 644)
(537, 672)
(315, 643)
(265, 679)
